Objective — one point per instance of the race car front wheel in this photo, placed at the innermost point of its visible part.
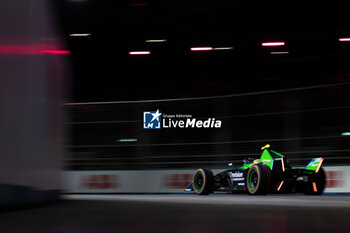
(258, 179)
(203, 181)
(317, 184)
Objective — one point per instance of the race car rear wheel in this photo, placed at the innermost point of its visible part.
(203, 181)
(268, 178)
(258, 179)
(317, 184)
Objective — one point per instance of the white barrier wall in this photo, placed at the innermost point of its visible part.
(165, 181)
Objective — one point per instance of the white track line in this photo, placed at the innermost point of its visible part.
(269, 200)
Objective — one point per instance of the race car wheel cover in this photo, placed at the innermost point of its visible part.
(253, 180)
(253, 170)
(198, 173)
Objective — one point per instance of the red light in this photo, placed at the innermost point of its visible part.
(267, 44)
(282, 162)
(279, 187)
(139, 52)
(16, 49)
(344, 39)
(201, 48)
(314, 186)
(32, 49)
(319, 165)
(53, 51)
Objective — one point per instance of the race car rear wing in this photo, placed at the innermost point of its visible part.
(315, 164)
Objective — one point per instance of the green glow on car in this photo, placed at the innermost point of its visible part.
(266, 158)
(246, 166)
(277, 153)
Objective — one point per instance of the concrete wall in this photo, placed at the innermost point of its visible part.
(31, 86)
(166, 181)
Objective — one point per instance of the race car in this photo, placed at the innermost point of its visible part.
(271, 173)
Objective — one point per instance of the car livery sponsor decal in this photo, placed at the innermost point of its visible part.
(236, 176)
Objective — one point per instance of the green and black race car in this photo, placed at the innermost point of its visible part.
(269, 174)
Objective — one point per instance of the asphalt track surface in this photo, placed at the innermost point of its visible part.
(183, 213)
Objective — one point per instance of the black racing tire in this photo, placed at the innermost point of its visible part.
(268, 178)
(258, 179)
(317, 185)
(203, 180)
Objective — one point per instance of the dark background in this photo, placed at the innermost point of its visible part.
(104, 71)
(305, 118)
